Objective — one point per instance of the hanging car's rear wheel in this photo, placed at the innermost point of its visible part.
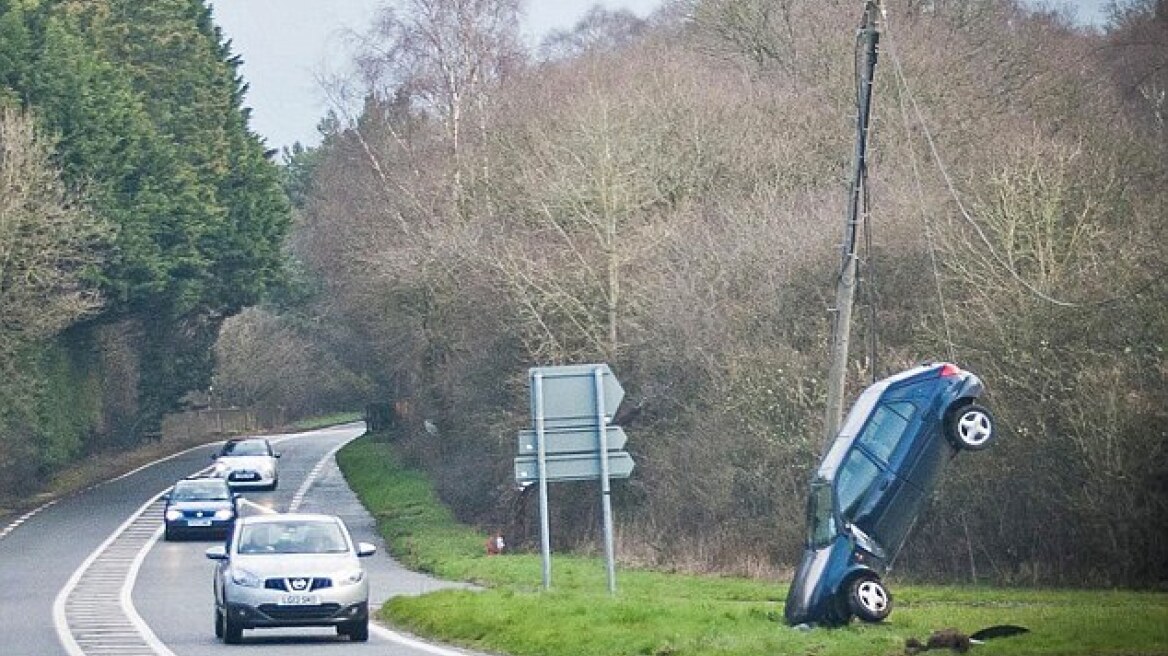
(868, 599)
(218, 624)
(971, 427)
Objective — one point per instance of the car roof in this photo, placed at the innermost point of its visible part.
(212, 480)
(273, 518)
(847, 435)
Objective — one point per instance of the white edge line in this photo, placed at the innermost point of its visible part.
(298, 498)
(59, 621)
(394, 636)
(127, 595)
(28, 515)
(263, 509)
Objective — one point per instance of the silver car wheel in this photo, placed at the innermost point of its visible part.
(868, 599)
(872, 596)
(974, 428)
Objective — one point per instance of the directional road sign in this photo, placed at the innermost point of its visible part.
(581, 439)
(569, 394)
(573, 467)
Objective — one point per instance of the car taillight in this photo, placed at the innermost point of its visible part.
(950, 370)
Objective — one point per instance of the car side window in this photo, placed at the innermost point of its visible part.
(886, 427)
(855, 477)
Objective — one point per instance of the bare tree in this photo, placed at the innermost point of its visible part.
(445, 55)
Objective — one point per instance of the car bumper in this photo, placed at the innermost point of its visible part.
(813, 597)
(258, 608)
(273, 615)
(215, 528)
(250, 480)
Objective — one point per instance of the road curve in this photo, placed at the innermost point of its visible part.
(88, 575)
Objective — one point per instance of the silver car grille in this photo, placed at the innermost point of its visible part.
(298, 583)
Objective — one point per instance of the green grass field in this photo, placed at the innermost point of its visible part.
(662, 614)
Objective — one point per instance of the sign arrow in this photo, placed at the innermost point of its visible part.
(569, 396)
(573, 467)
(572, 440)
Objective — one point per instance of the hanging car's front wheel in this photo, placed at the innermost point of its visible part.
(868, 599)
(971, 427)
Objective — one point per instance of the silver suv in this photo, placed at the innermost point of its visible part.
(279, 570)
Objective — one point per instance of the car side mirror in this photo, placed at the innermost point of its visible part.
(365, 549)
(217, 552)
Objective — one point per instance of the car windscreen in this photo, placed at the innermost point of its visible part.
(211, 491)
(292, 537)
(821, 529)
(248, 448)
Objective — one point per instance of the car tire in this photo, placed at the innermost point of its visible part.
(359, 631)
(167, 534)
(868, 599)
(232, 630)
(971, 427)
(218, 624)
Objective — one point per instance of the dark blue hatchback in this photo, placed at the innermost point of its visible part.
(198, 507)
(872, 483)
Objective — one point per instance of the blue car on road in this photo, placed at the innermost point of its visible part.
(199, 507)
(872, 483)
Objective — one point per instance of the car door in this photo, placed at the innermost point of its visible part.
(894, 501)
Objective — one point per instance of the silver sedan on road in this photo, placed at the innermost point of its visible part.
(247, 462)
(281, 570)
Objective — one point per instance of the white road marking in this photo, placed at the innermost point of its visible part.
(24, 518)
(298, 498)
(263, 509)
(394, 636)
(103, 630)
(127, 600)
(96, 615)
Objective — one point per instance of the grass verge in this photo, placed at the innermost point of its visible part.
(660, 614)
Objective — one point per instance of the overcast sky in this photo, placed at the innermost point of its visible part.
(285, 44)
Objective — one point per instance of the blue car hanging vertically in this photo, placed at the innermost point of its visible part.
(872, 483)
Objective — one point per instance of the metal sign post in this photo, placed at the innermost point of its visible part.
(545, 541)
(573, 441)
(605, 491)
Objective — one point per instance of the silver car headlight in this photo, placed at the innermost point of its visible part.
(224, 513)
(245, 578)
(172, 514)
(350, 577)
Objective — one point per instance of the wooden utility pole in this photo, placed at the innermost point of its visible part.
(846, 285)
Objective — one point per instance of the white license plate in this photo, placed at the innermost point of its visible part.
(198, 522)
(299, 600)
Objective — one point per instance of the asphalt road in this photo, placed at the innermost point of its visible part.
(90, 574)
